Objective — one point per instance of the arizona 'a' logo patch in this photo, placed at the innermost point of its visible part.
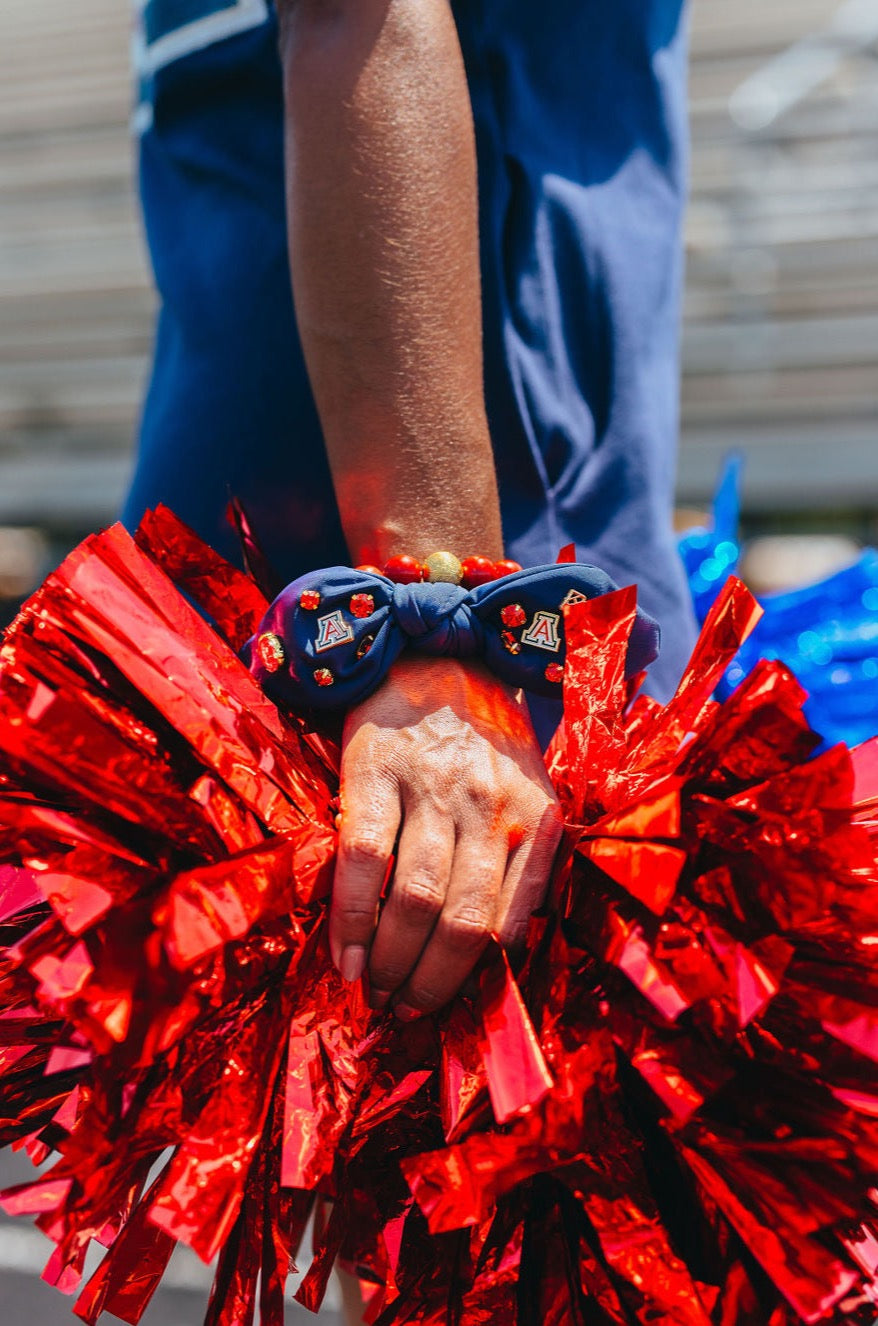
(332, 630)
(543, 632)
(572, 597)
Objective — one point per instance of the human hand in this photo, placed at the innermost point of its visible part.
(443, 755)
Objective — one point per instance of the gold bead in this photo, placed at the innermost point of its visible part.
(443, 568)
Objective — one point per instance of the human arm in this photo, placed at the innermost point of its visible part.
(382, 202)
(383, 227)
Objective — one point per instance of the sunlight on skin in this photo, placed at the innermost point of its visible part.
(442, 769)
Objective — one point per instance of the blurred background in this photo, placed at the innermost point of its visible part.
(780, 342)
(781, 323)
(780, 336)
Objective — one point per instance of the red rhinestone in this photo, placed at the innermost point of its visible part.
(362, 605)
(506, 567)
(369, 570)
(477, 571)
(270, 649)
(555, 672)
(365, 645)
(404, 570)
(510, 642)
(309, 599)
(324, 677)
(513, 615)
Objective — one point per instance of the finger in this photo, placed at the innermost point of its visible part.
(527, 876)
(463, 928)
(368, 830)
(417, 894)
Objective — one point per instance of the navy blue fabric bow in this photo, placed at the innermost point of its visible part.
(329, 639)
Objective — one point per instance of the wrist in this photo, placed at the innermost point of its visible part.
(442, 567)
(416, 685)
(330, 638)
(375, 547)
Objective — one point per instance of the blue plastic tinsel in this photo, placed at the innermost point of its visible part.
(826, 632)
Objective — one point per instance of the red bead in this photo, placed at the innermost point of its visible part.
(369, 570)
(506, 567)
(555, 672)
(404, 570)
(513, 615)
(477, 571)
(309, 599)
(510, 642)
(362, 605)
(324, 677)
(270, 649)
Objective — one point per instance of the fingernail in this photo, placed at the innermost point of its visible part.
(352, 963)
(406, 1013)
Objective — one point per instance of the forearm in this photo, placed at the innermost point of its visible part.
(382, 206)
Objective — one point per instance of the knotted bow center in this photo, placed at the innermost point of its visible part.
(438, 619)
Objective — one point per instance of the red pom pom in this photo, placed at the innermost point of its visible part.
(404, 570)
(700, 972)
(477, 571)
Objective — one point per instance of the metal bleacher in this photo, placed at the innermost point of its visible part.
(781, 327)
(75, 303)
(781, 324)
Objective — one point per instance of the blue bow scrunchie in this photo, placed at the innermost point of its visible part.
(329, 639)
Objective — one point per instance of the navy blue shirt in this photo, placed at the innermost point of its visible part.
(579, 109)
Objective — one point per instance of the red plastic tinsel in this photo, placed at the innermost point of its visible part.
(669, 1114)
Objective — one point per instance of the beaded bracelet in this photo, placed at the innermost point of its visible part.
(443, 568)
(330, 638)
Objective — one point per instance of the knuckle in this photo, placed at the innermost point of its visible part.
(426, 998)
(467, 929)
(386, 975)
(420, 895)
(355, 913)
(365, 849)
(485, 793)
